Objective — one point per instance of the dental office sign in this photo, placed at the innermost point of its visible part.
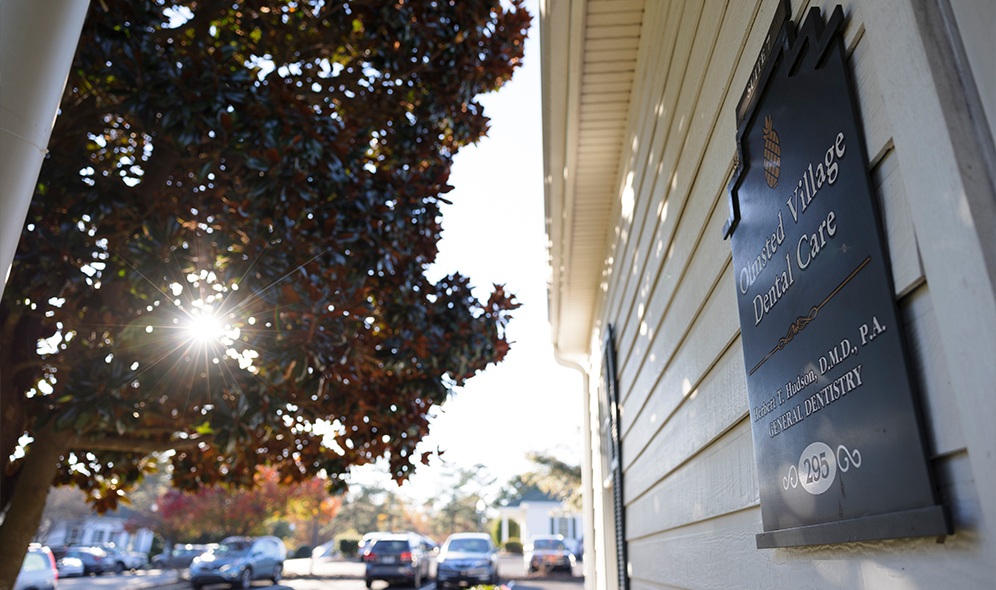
(837, 438)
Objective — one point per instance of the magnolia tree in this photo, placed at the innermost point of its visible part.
(226, 252)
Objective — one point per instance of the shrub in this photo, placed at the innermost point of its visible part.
(513, 545)
(513, 531)
(302, 552)
(349, 546)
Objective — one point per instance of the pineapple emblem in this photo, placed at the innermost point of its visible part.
(772, 153)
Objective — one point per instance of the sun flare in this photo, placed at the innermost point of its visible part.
(205, 328)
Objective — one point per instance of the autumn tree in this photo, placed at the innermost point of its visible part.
(372, 508)
(226, 251)
(311, 510)
(214, 512)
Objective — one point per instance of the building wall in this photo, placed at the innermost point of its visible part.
(690, 486)
(97, 530)
(542, 518)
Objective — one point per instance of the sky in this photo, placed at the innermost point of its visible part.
(494, 232)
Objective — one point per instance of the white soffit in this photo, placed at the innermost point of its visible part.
(589, 55)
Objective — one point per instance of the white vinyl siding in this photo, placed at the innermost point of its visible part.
(691, 491)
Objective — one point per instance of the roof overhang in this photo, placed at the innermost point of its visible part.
(589, 50)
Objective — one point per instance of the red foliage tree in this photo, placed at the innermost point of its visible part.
(212, 513)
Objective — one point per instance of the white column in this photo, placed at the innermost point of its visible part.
(37, 43)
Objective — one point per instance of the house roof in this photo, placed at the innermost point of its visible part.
(589, 53)
(533, 496)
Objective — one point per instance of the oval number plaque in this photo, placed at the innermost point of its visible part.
(817, 468)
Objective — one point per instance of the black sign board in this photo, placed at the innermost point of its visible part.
(837, 438)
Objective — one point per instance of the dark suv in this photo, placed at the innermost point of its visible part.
(397, 558)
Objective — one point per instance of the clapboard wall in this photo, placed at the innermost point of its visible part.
(691, 490)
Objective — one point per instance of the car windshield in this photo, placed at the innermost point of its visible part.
(468, 545)
(233, 548)
(390, 546)
(549, 544)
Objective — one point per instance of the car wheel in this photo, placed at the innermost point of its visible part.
(245, 579)
(278, 570)
(119, 567)
(369, 583)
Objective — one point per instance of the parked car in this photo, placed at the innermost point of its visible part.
(69, 566)
(180, 556)
(123, 560)
(95, 560)
(136, 560)
(467, 559)
(367, 539)
(547, 553)
(38, 571)
(326, 549)
(240, 560)
(402, 557)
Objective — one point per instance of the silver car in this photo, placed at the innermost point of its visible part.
(467, 559)
(546, 553)
(38, 570)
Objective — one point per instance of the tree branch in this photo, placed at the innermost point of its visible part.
(126, 444)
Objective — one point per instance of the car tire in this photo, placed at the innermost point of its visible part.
(278, 571)
(369, 583)
(245, 579)
(119, 567)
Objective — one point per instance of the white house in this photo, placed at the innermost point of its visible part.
(97, 530)
(538, 514)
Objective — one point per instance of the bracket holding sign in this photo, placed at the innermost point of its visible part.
(837, 433)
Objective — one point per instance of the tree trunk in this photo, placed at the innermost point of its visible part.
(28, 500)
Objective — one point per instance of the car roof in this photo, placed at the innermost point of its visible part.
(469, 536)
(395, 537)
